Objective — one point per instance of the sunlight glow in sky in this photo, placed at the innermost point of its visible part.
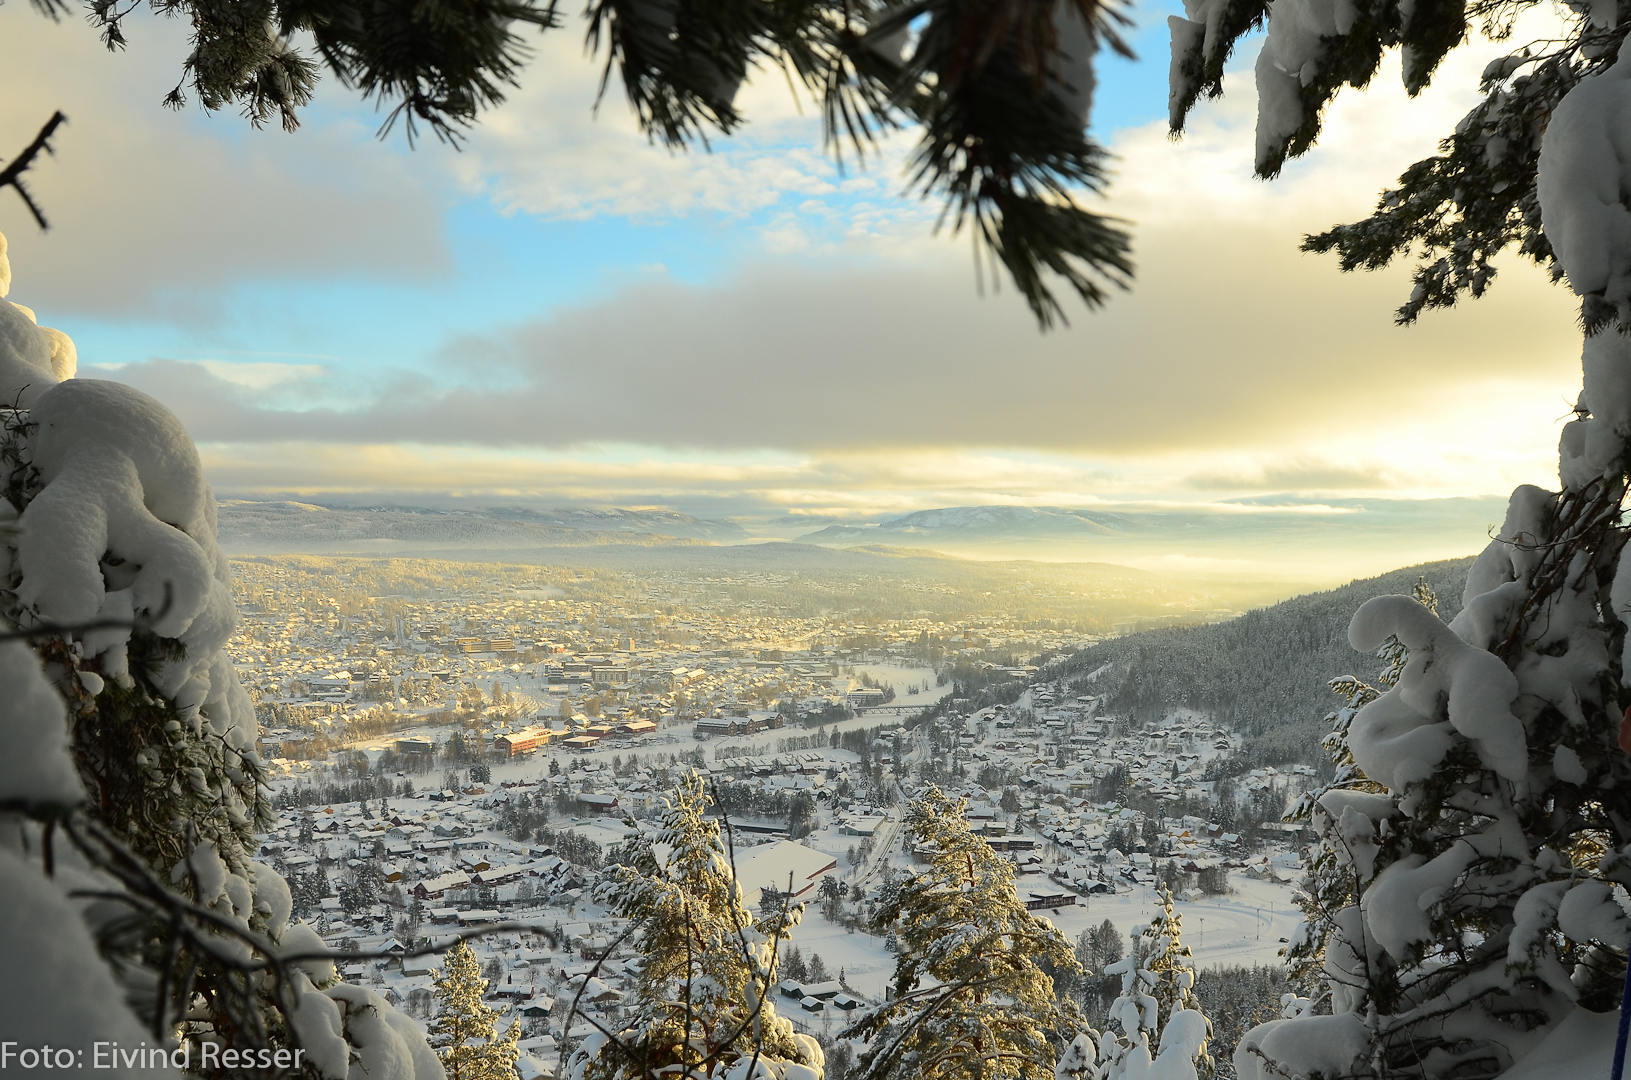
(564, 314)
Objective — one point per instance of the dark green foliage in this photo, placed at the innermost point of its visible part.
(681, 60)
(1237, 999)
(433, 61)
(1433, 28)
(1459, 208)
(1472, 200)
(1007, 163)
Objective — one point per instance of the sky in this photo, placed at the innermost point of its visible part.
(561, 313)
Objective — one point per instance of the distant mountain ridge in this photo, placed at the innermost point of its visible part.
(986, 522)
(246, 525)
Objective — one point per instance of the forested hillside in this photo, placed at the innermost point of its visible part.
(1265, 673)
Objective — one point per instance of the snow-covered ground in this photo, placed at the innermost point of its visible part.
(1241, 928)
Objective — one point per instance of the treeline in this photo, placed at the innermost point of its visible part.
(329, 793)
(1263, 674)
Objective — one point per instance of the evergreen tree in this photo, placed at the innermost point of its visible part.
(1455, 210)
(1163, 1033)
(969, 997)
(1002, 139)
(831, 895)
(1462, 912)
(131, 614)
(705, 1001)
(463, 1033)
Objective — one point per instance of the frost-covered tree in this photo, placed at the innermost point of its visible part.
(464, 1033)
(969, 997)
(1163, 1033)
(1466, 919)
(705, 1002)
(1482, 192)
(130, 738)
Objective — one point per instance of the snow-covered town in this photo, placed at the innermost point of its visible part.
(568, 659)
(393, 843)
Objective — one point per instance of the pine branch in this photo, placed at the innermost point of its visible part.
(12, 175)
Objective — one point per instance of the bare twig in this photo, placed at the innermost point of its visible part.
(12, 175)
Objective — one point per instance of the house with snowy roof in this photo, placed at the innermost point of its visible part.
(783, 867)
(435, 888)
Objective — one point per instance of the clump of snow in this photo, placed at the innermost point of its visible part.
(1079, 1061)
(1394, 744)
(1293, 50)
(1445, 678)
(1350, 818)
(1076, 44)
(385, 1043)
(36, 769)
(351, 1033)
(1589, 912)
(59, 993)
(1530, 946)
(125, 524)
(33, 358)
(1580, 1046)
(1567, 765)
(318, 1025)
(302, 941)
(272, 899)
(1327, 1045)
(1590, 448)
(25, 356)
(1585, 166)
(1396, 905)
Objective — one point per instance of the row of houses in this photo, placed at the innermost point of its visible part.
(550, 873)
(710, 726)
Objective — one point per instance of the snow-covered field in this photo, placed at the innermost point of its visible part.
(1242, 928)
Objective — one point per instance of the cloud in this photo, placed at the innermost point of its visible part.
(1227, 336)
(837, 362)
(1298, 476)
(262, 375)
(548, 150)
(157, 215)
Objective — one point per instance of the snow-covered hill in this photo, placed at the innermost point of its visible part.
(1269, 537)
(986, 523)
(247, 526)
(1263, 674)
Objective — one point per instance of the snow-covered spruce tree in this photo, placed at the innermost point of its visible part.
(1163, 1033)
(1479, 928)
(463, 1033)
(1331, 883)
(969, 997)
(137, 787)
(706, 998)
